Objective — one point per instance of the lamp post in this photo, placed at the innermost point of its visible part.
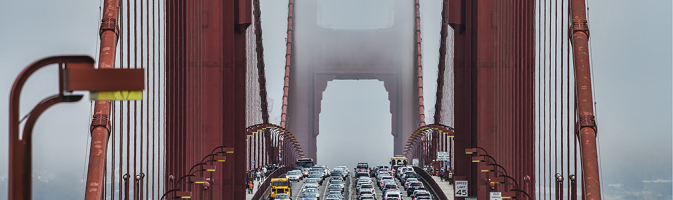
(74, 73)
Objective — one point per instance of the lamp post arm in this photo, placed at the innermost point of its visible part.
(524, 192)
(173, 190)
(20, 157)
(506, 176)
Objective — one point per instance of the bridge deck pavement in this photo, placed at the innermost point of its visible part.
(446, 187)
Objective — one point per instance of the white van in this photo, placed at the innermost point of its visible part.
(393, 194)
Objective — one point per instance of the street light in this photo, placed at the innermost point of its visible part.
(75, 73)
(178, 194)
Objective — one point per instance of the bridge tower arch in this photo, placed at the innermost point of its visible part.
(322, 54)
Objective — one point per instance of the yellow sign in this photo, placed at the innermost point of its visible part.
(122, 95)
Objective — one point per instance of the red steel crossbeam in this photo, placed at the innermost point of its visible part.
(584, 99)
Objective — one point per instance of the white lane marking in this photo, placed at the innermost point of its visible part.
(325, 188)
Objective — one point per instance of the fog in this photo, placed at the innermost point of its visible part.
(365, 137)
(631, 48)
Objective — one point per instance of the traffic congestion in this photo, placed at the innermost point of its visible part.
(317, 182)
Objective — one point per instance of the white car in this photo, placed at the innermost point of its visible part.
(392, 194)
(294, 175)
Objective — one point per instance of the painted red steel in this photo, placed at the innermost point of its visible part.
(493, 87)
(105, 79)
(20, 148)
(330, 56)
(443, 34)
(288, 62)
(419, 62)
(259, 48)
(100, 126)
(584, 100)
(222, 118)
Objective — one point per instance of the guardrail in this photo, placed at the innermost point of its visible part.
(260, 193)
(430, 183)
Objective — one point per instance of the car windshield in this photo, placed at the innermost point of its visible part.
(365, 191)
(292, 173)
(334, 186)
(311, 180)
(416, 184)
(367, 186)
(337, 182)
(279, 184)
(307, 195)
(391, 186)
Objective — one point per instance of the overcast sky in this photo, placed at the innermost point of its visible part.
(632, 62)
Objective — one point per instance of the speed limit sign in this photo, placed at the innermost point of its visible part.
(461, 188)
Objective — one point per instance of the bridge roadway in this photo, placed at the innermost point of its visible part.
(350, 193)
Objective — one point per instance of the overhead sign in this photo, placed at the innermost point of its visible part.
(253, 162)
(443, 156)
(496, 196)
(116, 95)
(448, 163)
(414, 162)
(280, 159)
(461, 188)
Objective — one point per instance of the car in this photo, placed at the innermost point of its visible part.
(294, 175)
(408, 184)
(386, 182)
(282, 196)
(317, 177)
(307, 196)
(366, 187)
(365, 192)
(390, 187)
(421, 194)
(313, 191)
(383, 178)
(392, 194)
(360, 183)
(305, 171)
(337, 182)
(367, 197)
(335, 187)
(407, 175)
(333, 197)
(337, 173)
(409, 180)
(312, 181)
(345, 169)
(335, 193)
(415, 186)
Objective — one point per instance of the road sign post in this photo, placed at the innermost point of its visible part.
(443, 156)
(461, 188)
(496, 196)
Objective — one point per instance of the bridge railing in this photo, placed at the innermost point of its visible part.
(265, 185)
(431, 184)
